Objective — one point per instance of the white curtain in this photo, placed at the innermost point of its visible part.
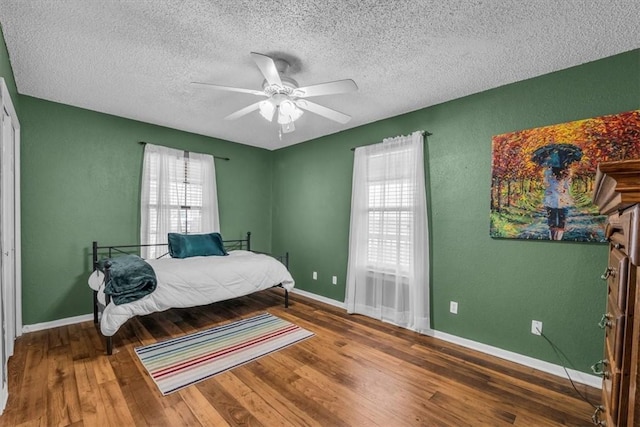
(388, 268)
(178, 194)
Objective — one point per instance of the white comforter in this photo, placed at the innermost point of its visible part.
(196, 281)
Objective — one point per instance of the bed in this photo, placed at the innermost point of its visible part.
(181, 282)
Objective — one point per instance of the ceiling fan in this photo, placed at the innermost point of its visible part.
(285, 97)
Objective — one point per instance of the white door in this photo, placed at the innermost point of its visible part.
(7, 234)
(4, 357)
(10, 273)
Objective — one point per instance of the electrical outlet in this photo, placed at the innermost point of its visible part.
(334, 280)
(315, 275)
(453, 307)
(536, 327)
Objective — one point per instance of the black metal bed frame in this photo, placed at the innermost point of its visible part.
(236, 244)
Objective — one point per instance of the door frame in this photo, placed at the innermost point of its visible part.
(11, 325)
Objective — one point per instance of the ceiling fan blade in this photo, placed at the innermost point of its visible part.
(267, 68)
(329, 88)
(323, 111)
(231, 89)
(243, 111)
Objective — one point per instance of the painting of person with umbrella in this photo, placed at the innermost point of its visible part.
(556, 159)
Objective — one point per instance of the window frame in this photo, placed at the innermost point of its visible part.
(404, 182)
(182, 209)
(178, 194)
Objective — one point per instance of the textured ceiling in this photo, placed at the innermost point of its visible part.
(136, 58)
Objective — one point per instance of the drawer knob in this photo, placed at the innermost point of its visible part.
(600, 368)
(605, 321)
(596, 417)
(607, 273)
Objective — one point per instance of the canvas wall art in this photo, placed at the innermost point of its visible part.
(542, 179)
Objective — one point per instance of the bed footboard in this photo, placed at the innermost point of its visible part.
(96, 303)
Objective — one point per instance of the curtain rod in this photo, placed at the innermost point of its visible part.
(215, 157)
(424, 133)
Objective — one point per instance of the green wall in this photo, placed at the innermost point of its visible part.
(500, 285)
(81, 173)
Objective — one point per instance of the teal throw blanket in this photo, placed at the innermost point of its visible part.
(130, 278)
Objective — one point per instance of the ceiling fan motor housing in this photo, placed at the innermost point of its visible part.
(287, 88)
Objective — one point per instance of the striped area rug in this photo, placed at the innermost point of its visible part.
(180, 362)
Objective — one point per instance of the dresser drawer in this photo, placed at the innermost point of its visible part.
(617, 276)
(623, 232)
(614, 323)
(611, 385)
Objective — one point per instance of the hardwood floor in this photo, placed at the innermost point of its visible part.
(355, 371)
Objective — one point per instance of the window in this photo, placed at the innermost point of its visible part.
(388, 268)
(390, 205)
(178, 195)
(184, 202)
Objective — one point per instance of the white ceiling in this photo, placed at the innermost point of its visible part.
(136, 58)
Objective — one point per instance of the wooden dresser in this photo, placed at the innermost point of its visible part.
(617, 194)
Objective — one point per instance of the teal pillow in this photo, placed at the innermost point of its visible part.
(188, 245)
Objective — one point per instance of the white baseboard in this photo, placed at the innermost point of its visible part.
(319, 298)
(56, 323)
(541, 365)
(85, 317)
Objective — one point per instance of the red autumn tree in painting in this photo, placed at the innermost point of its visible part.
(520, 175)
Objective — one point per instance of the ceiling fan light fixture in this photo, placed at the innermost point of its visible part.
(288, 112)
(267, 110)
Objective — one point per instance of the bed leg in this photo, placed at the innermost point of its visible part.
(95, 307)
(94, 248)
(109, 340)
(286, 298)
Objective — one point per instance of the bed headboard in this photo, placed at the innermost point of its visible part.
(238, 244)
